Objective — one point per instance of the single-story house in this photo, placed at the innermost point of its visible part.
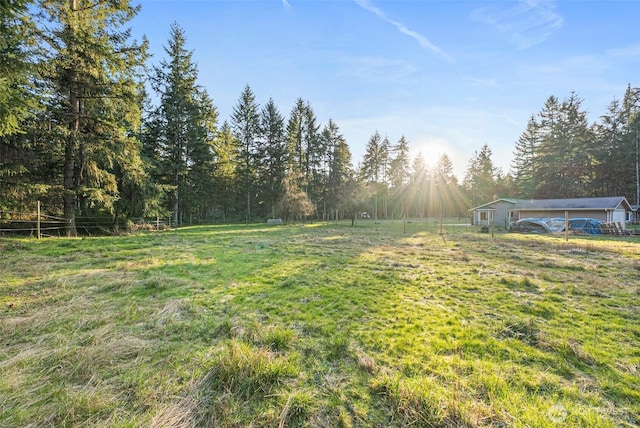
(501, 212)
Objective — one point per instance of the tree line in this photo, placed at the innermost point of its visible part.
(88, 128)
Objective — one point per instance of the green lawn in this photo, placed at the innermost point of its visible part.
(386, 324)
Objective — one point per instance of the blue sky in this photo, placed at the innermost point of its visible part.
(448, 75)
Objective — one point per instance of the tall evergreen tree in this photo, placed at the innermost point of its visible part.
(480, 177)
(225, 172)
(304, 152)
(340, 169)
(399, 167)
(610, 135)
(547, 172)
(398, 176)
(181, 130)
(27, 166)
(296, 155)
(449, 196)
(385, 166)
(315, 158)
(303, 142)
(418, 185)
(524, 162)
(245, 122)
(372, 164)
(631, 103)
(372, 169)
(16, 65)
(92, 70)
(271, 154)
(201, 201)
(565, 160)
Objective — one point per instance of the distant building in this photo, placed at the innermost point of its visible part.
(501, 212)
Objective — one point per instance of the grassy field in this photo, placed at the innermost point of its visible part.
(320, 325)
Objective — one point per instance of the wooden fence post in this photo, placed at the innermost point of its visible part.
(38, 222)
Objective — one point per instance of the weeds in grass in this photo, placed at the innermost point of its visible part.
(278, 338)
(337, 346)
(423, 403)
(225, 328)
(246, 370)
(296, 409)
(366, 362)
(525, 330)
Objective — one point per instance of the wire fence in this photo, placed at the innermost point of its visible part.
(36, 224)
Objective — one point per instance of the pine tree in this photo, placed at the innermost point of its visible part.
(92, 70)
(615, 152)
(398, 175)
(16, 66)
(295, 203)
(372, 169)
(418, 185)
(399, 164)
(631, 103)
(630, 162)
(525, 161)
(225, 172)
(340, 169)
(271, 154)
(610, 135)
(305, 153)
(565, 161)
(315, 158)
(181, 131)
(449, 196)
(201, 201)
(245, 122)
(480, 177)
(296, 155)
(385, 166)
(579, 147)
(547, 171)
(303, 143)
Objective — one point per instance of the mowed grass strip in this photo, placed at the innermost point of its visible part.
(383, 324)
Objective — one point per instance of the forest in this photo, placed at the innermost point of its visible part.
(90, 128)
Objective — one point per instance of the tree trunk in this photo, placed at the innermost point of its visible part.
(176, 208)
(248, 203)
(69, 192)
(69, 195)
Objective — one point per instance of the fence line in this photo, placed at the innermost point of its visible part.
(40, 224)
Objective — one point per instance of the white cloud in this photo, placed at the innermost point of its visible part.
(626, 52)
(285, 3)
(376, 69)
(422, 40)
(480, 82)
(527, 23)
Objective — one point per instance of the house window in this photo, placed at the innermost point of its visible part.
(484, 215)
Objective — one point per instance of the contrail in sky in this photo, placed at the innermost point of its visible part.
(422, 40)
